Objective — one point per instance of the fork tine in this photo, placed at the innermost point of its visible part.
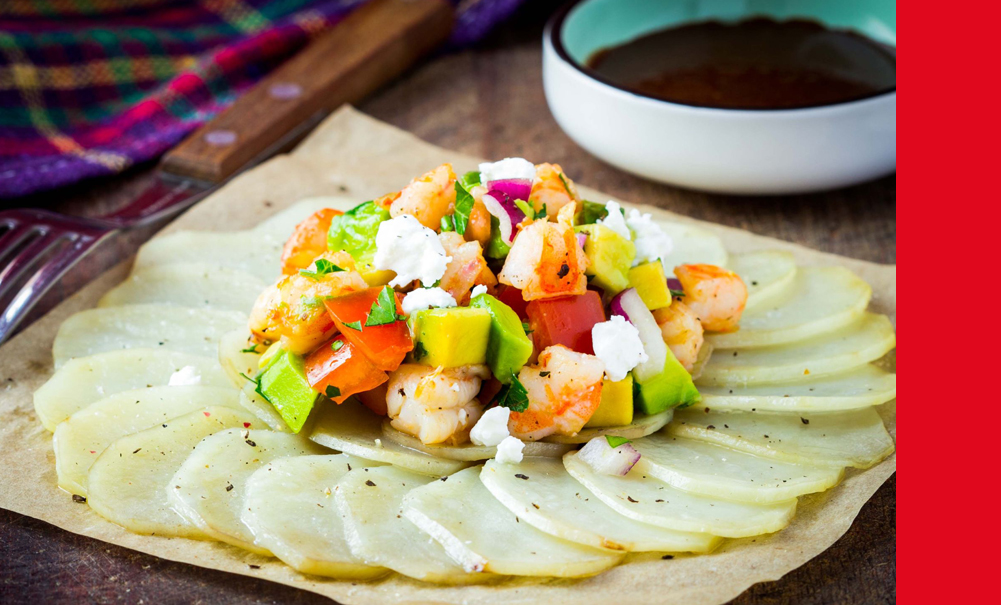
(28, 256)
(14, 236)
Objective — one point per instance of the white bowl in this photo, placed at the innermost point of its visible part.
(722, 150)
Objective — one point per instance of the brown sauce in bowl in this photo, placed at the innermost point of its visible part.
(758, 63)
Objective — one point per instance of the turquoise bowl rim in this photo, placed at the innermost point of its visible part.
(553, 34)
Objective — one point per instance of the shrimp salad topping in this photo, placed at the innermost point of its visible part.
(493, 308)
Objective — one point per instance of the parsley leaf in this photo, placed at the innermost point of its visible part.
(447, 224)
(463, 206)
(470, 180)
(250, 349)
(337, 345)
(541, 213)
(332, 392)
(566, 185)
(323, 267)
(615, 441)
(419, 351)
(383, 310)
(354, 325)
(257, 387)
(513, 396)
(677, 293)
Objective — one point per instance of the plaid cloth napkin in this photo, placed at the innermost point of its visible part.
(91, 87)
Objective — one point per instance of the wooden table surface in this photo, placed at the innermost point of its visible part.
(486, 101)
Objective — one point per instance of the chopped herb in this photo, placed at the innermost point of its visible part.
(544, 374)
(513, 396)
(419, 351)
(677, 293)
(332, 392)
(470, 179)
(354, 325)
(447, 223)
(463, 207)
(257, 387)
(591, 212)
(527, 327)
(336, 346)
(566, 185)
(615, 441)
(541, 213)
(383, 310)
(323, 267)
(250, 349)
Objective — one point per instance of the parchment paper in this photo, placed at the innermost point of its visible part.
(352, 154)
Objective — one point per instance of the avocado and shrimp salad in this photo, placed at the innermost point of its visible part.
(494, 308)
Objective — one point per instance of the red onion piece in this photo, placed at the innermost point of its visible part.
(631, 307)
(516, 189)
(500, 205)
(674, 284)
(582, 239)
(609, 460)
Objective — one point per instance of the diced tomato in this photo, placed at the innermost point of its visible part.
(566, 321)
(511, 297)
(339, 364)
(375, 399)
(385, 345)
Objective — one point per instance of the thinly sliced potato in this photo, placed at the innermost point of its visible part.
(196, 285)
(861, 387)
(247, 251)
(128, 483)
(369, 500)
(638, 495)
(289, 507)
(692, 244)
(481, 535)
(353, 429)
(238, 356)
(542, 493)
(280, 226)
(766, 273)
(160, 327)
(260, 407)
(641, 427)
(469, 452)
(208, 489)
(79, 440)
(864, 341)
(820, 300)
(719, 472)
(854, 438)
(81, 382)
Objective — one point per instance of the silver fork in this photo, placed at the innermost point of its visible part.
(38, 247)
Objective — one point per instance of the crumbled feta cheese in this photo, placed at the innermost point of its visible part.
(616, 220)
(477, 290)
(491, 428)
(650, 240)
(509, 451)
(617, 343)
(425, 298)
(188, 375)
(508, 168)
(410, 249)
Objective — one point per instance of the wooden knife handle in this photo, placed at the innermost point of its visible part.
(371, 46)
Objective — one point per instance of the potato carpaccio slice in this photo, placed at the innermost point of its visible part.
(469, 452)
(196, 285)
(766, 273)
(691, 244)
(246, 251)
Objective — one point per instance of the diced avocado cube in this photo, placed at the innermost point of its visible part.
(651, 284)
(453, 337)
(509, 348)
(616, 407)
(284, 385)
(374, 277)
(609, 257)
(671, 388)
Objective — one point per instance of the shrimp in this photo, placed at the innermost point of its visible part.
(428, 197)
(467, 267)
(308, 240)
(435, 404)
(552, 188)
(292, 308)
(564, 390)
(682, 332)
(545, 260)
(715, 295)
